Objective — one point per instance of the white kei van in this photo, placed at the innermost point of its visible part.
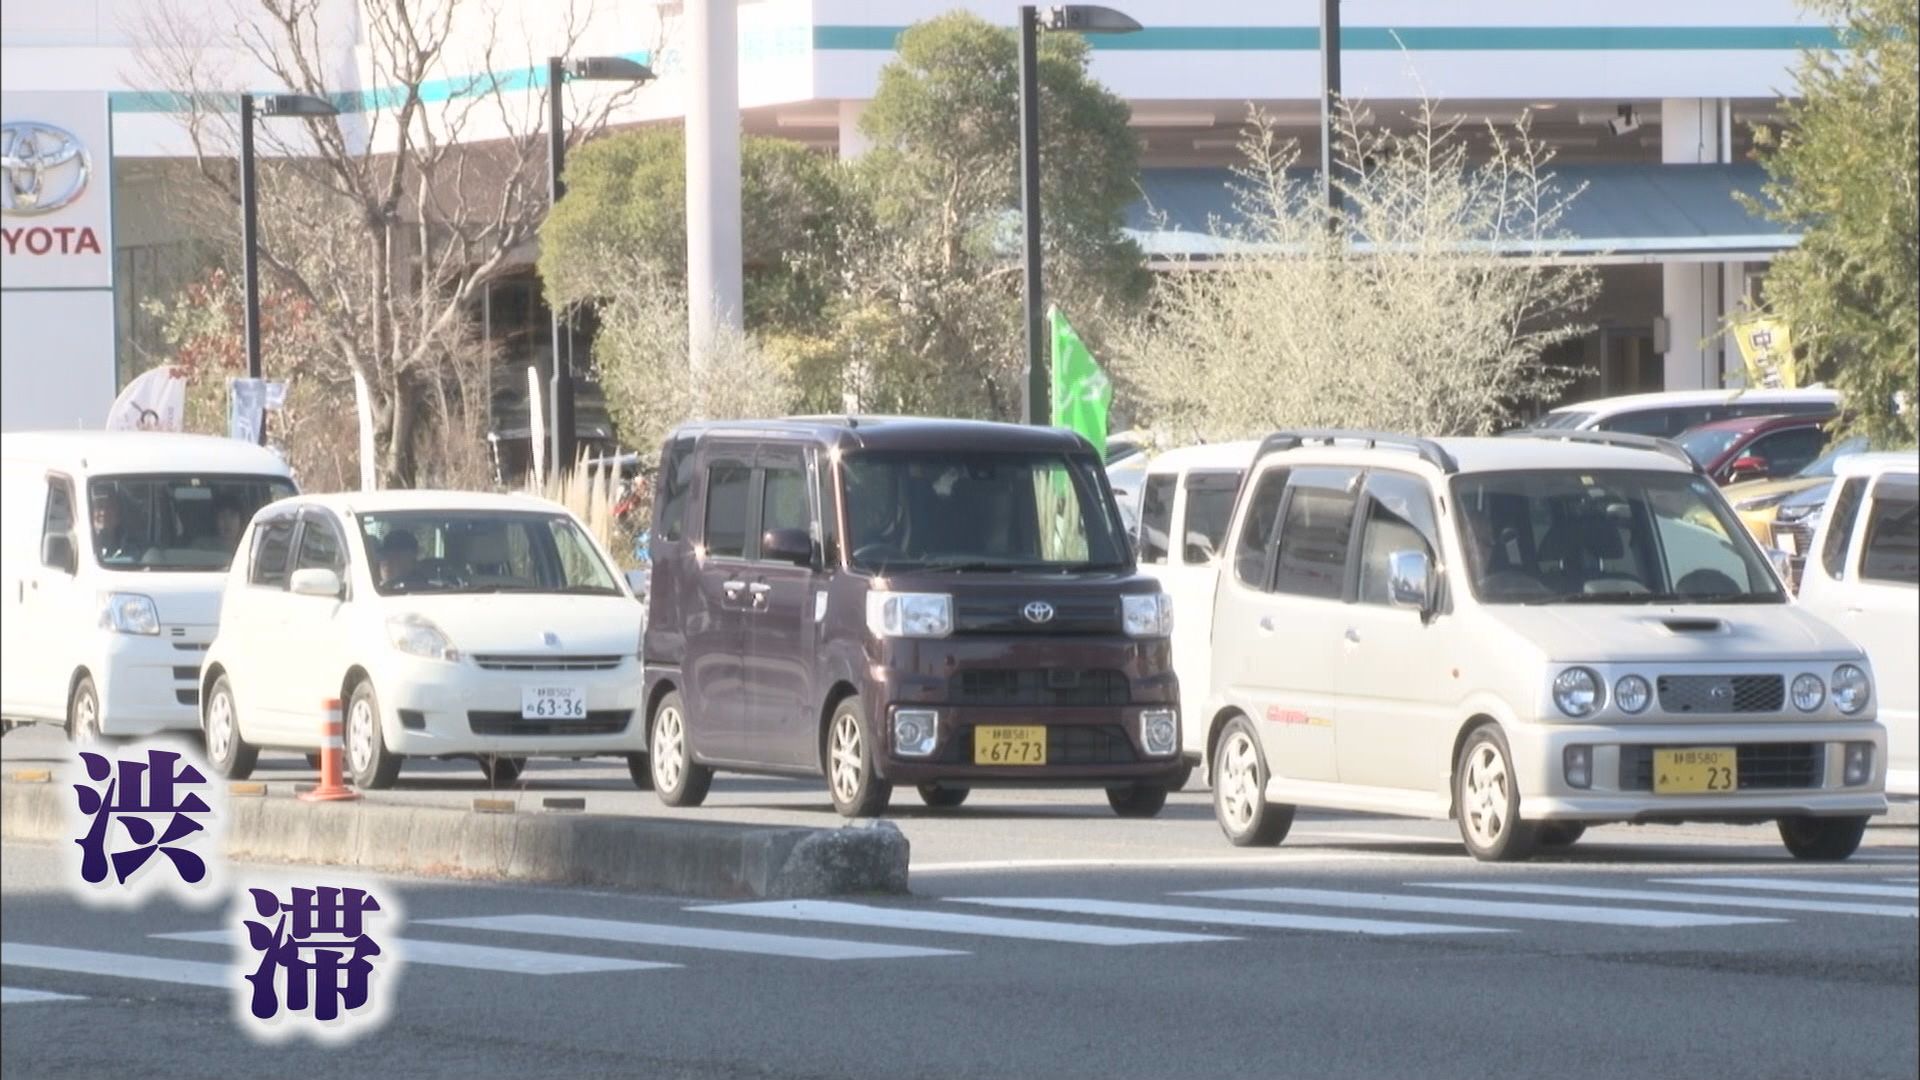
(1863, 576)
(114, 549)
(1186, 502)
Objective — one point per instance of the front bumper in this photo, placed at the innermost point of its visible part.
(150, 683)
(1797, 769)
(435, 708)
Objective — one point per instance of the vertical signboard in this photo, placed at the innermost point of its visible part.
(56, 260)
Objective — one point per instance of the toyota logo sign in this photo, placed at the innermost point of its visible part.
(46, 168)
(1038, 612)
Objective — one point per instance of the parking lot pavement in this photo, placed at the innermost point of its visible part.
(1410, 965)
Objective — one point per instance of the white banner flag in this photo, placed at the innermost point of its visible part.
(155, 400)
(537, 424)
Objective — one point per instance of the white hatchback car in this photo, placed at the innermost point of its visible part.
(1863, 576)
(1528, 634)
(447, 623)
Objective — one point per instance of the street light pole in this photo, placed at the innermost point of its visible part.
(561, 437)
(1085, 19)
(1329, 102)
(1039, 408)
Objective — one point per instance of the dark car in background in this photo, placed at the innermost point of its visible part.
(937, 603)
(1744, 448)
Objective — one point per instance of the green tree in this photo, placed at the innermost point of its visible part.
(1845, 169)
(626, 205)
(929, 318)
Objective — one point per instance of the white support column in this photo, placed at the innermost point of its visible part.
(1695, 294)
(713, 173)
(1733, 279)
(853, 142)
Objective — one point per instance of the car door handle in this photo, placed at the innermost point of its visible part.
(733, 589)
(759, 589)
(1353, 636)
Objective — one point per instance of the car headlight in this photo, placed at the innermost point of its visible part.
(1809, 693)
(1761, 502)
(129, 613)
(915, 731)
(909, 615)
(1147, 616)
(1790, 514)
(1632, 694)
(416, 635)
(1160, 731)
(1851, 689)
(1577, 691)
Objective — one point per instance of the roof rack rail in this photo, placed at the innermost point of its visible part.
(1624, 440)
(1431, 452)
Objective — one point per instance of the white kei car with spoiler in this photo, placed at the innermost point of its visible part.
(449, 624)
(1530, 635)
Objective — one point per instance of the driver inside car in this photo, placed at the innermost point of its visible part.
(400, 561)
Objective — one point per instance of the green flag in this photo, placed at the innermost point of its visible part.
(1081, 392)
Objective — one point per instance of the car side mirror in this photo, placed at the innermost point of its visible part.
(1410, 580)
(787, 545)
(56, 551)
(1746, 468)
(639, 581)
(316, 581)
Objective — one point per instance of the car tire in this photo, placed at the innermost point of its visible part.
(855, 787)
(1486, 799)
(83, 713)
(943, 797)
(230, 755)
(502, 769)
(1828, 839)
(1137, 800)
(1558, 834)
(677, 779)
(641, 770)
(371, 765)
(1239, 782)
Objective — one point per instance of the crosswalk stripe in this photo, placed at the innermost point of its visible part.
(15, 995)
(475, 957)
(1846, 888)
(118, 965)
(1658, 896)
(1492, 909)
(1187, 913)
(689, 937)
(944, 922)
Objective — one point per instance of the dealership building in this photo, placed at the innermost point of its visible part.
(1649, 107)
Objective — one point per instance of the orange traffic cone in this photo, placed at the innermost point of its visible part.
(332, 786)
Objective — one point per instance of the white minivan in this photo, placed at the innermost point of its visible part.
(1863, 576)
(114, 549)
(1186, 502)
(1529, 635)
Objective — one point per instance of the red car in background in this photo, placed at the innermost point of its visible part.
(1757, 447)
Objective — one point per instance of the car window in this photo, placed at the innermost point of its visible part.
(1663, 422)
(1210, 499)
(59, 515)
(1846, 507)
(1251, 555)
(726, 521)
(272, 543)
(1893, 534)
(320, 547)
(1787, 452)
(1399, 518)
(183, 523)
(783, 498)
(1706, 446)
(1315, 533)
(676, 475)
(1156, 517)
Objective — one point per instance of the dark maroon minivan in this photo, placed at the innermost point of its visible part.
(941, 603)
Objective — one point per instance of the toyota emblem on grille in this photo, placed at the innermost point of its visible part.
(1038, 612)
(1721, 693)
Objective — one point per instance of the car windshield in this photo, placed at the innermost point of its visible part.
(1606, 536)
(175, 523)
(1705, 446)
(984, 510)
(1564, 418)
(475, 551)
(1823, 465)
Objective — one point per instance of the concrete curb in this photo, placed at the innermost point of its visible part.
(680, 858)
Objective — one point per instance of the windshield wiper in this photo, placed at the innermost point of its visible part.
(969, 565)
(1715, 598)
(1596, 598)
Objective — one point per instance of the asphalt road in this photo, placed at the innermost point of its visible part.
(1046, 938)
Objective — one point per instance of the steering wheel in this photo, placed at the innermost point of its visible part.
(1706, 582)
